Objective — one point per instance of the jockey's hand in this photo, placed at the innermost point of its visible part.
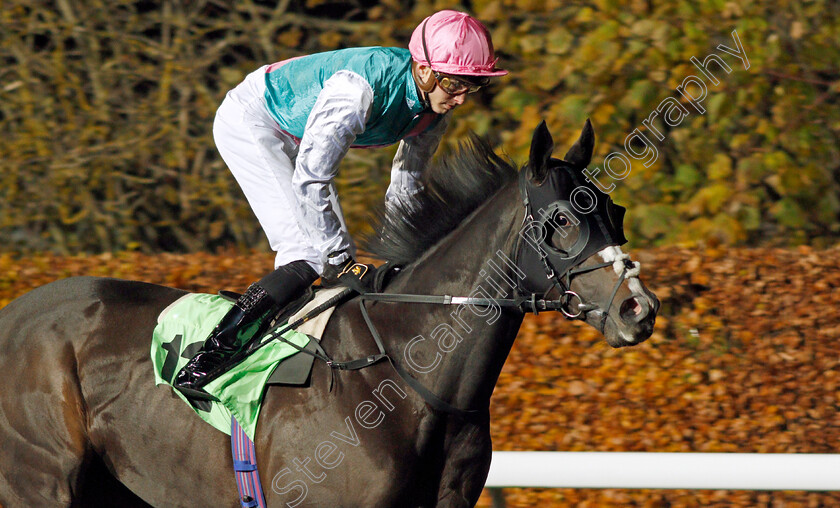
(358, 276)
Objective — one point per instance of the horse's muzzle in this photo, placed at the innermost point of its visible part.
(635, 320)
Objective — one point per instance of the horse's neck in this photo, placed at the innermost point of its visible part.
(463, 348)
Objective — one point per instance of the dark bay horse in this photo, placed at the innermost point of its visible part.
(82, 424)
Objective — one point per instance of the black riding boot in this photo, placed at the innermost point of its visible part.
(245, 322)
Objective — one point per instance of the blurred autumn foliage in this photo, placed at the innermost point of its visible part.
(106, 111)
(743, 359)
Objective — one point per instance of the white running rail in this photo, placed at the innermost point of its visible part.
(647, 470)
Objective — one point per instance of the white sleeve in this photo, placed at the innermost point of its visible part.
(413, 156)
(339, 115)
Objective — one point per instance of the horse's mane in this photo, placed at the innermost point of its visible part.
(452, 188)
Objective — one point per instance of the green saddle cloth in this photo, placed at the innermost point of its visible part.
(179, 334)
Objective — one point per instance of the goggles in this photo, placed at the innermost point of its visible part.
(457, 86)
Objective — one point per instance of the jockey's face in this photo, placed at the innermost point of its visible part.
(441, 102)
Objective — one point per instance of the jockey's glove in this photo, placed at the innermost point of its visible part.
(357, 276)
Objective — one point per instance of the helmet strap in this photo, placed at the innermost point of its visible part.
(426, 86)
(429, 85)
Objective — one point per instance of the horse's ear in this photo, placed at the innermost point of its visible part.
(580, 154)
(542, 145)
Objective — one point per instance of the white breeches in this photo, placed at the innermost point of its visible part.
(262, 159)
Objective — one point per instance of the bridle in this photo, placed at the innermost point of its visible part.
(559, 278)
(525, 298)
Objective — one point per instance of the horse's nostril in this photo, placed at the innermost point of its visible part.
(633, 310)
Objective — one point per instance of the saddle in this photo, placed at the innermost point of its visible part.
(296, 369)
(286, 359)
(184, 325)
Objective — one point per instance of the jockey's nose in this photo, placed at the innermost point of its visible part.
(459, 99)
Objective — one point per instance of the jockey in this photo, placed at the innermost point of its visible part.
(283, 132)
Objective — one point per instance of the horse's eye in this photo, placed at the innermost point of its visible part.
(562, 232)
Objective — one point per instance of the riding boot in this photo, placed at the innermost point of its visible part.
(248, 316)
(244, 323)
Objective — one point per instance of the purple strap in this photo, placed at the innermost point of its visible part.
(245, 467)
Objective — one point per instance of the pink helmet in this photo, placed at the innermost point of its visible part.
(454, 43)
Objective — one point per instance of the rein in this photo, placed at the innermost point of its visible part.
(523, 300)
(523, 303)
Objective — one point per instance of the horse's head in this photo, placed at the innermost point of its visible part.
(570, 244)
